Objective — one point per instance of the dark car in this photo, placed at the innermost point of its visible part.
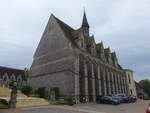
(125, 98)
(108, 100)
(98, 98)
(120, 99)
(146, 98)
(132, 98)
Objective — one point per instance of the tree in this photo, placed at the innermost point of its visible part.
(41, 92)
(145, 84)
(26, 89)
(26, 73)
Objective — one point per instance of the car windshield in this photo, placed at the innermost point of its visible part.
(108, 97)
(121, 95)
(115, 96)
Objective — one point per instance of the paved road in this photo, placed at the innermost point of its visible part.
(47, 109)
(138, 107)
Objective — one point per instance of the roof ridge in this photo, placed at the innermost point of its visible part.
(68, 31)
(10, 68)
(63, 23)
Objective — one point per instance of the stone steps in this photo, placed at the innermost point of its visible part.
(22, 100)
(28, 102)
(5, 92)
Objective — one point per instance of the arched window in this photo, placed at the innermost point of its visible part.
(88, 47)
(12, 78)
(19, 81)
(129, 78)
(5, 79)
(82, 43)
(0, 79)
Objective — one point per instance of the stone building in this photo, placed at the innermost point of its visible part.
(130, 81)
(8, 75)
(72, 61)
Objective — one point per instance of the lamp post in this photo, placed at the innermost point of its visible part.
(13, 97)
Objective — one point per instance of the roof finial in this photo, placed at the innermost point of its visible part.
(84, 9)
(109, 48)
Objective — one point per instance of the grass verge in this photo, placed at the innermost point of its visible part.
(2, 106)
(60, 101)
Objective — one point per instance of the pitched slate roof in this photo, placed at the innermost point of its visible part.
(88, 41)
(66, 29)
(99, 46)
(113, 54)
(120, 66)
(11, 71)
(107, 50)
(77, 32)
(72, 34)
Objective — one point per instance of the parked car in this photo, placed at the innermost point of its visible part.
(98, 98)
(108, 100)
(120, 99)
(148, 109)
(146, 98)
(132, 98)
(125, 98)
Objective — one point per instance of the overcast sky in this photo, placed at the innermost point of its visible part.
(124, 25)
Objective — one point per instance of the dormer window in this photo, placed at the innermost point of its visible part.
(77, 39)
(116, 62)
(79, 42)
(88, 47)
(98, 53)
(109, 58)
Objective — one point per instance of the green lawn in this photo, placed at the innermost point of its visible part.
(34, 95)
(60, 101)
(2, 106)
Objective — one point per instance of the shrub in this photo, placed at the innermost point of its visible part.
(3, 104)
(61, 101)
(26, 89)
(40, 92)
(11, 84)
(56, 90)
(3, 101)
(70, 100)
(34, 95)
